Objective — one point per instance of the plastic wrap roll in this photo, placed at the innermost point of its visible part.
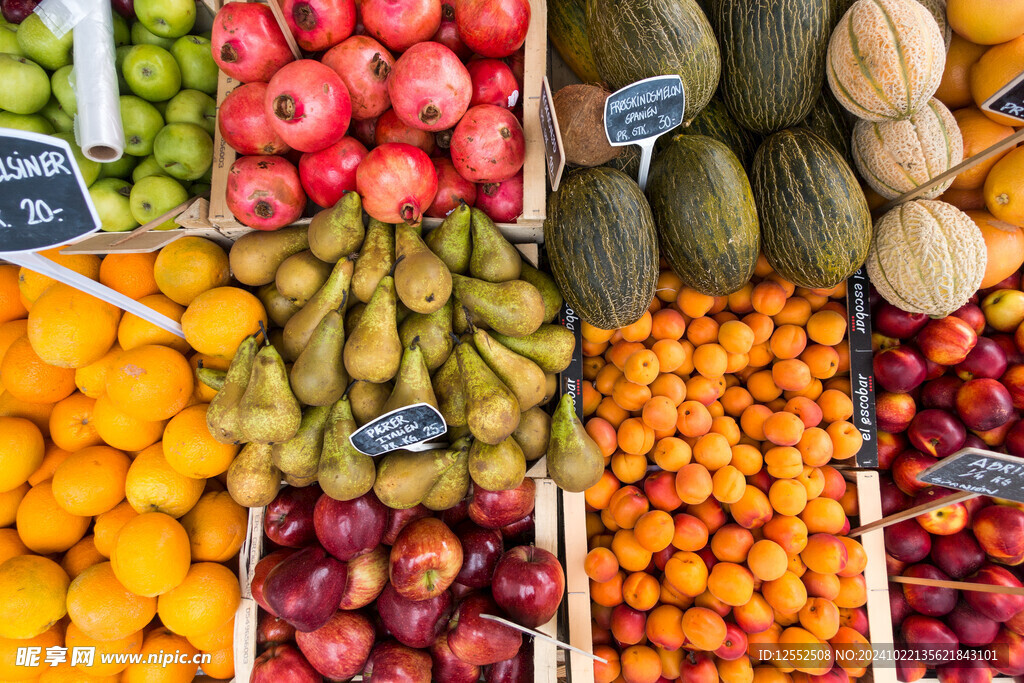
(98, 123)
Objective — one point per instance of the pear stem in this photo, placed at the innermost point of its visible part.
(349, 388)
(395, 265)
(344, 301)
(265, 333)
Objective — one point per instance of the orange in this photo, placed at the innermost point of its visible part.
(29, 378)
(203, 393)
(80, 557)
(10, 670)
(955, 89)
(206, 599)
(52, 458)
(91, 379)
(21, 451)
(104, 609)
(217, 321)
(986, 22)
(32, 284)
(32, 591)
(9, 331)
(158, 641)
(120, 430)
(134, 331)
(69, 328)
(221, 664)
(109, 524)
(189, 266)
(216, 527)
(44, 526)
(130, 644)
(65, 673)
(36, 413)
(130, 274)
(9, 501)
(1004, 244)
(11, 545)
(219, 638)
(151, 554)
(1004, 188)
(71, 426)
(979, 133)
(91, 481)
(997, 67)
(191, 449)
(153, 485)
(11, 307)
(150, 382)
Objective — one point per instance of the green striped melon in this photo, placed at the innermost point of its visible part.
(715, 122)
(927, 257)
(704, 209)
(773, 59)
(885, 59)
(637, 39)
(894, 157)
(602, 246)
(832, 122)
(815, 224)
(567, 30)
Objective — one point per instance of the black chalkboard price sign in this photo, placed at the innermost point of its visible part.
(1008, 100)
(979, 471)
(643, 111)
(43, 199)
(554, 152)
(400, 428)
(571, 379)
(862, 374)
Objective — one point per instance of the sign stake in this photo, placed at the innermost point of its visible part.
(642, 112)
(541, 636)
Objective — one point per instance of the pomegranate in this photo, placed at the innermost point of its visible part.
(400, 24)
(243, 122)
(451, 189)
(328, 174)
(308, 105)
(493, 83)
(397, 183)
(429, 87)
(364, 65)
(264, 192)
(448, 32)
(391, 129)
(364, 131)
(247, 43)
(493, 28)
(503, 201)
(319, 24)
(517, 62)
(488, 145)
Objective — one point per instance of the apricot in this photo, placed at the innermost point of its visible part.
(704, 628)
(759, 356)
(667, 324)
(857, 558)
(785, 594)
(600, 494)
(620, 351)
(672, 387)
(727, 427)
(783, 428)
(731, 583)
(787, 496)
(628, 467)
(610, 411)
(628, 625)
(761, 645)
(805, 409)
(752, 510)
(739, 301)
(755, 616)
(855, 618)
(762, 386)
(692, 303)
(797, 566)
(820, 617)
(693, 483)
(791, 375)
(710, 513)
(627, 505)
(687, 573)
(851, 648)
(783, 461)
(632, 556)
(769, 674)
(762, 326)
(823, 515)
(654, 530)
(768, 298)
(608, 593)
(735, 400)
(642, 367)
(702, 390)
(693, 419)
(641, 591)
(811, 391)
(815, 447)
(671, 453)
(853, 591)
(670, 596)
(671, 662)
(609, 670)
(639, 330)
(702, 331)
(665, 628)
(788, 341)
(813, 482)
(767, 560)
(825, 554)
(710, 360)
(601, 565)
(728, 484)
(822, 361)
(821, 585)
(630, 396)
(813, 656)
(735, 670)
(850, 502)
(689, 533)
(835, 484)
(827, 326)
(731, 543)
(712, 450)
(846, 440)
(835, 406)
(603, 435)
(752, 421)
(747, 459)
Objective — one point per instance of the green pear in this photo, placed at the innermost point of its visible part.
(451, 241)
(318, 375)
(574, 460)
(533, 433)
(545, 284)
(344, 473)
(492, 411)
(404, 478)
(280, 309)
(269, 411)
(434, 332)
(299, 456)
(368, 399)
(373, 352)
(338, 231)
(301, 275)
(223, 415)
(450, 392)
(412, 383)
(521, 375)
(498, 467)
(376, 259)
(453, 486)
(255, 256)
(494, 259)
(514, 308)
(252, 479)
(550, 346)
(422, 280)
(299, 329)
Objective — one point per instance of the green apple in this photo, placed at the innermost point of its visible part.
(198, 188)
(152, 73)
(122, 168)
(110, 196)
(64, 90)
(184, 150)
(192, 106)
(122, 32)
(90, 169)
(161, 107)
(119, 55)
(33, 123)
(41, 46)
(26, 87)
(141, 122)
(59, 118)
(9, 40)
(198, 70)
(155, 195)
(166, 18)
(142, 36)
(147, 167)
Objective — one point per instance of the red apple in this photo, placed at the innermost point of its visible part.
(894, 411)
(946, 341)
(367, 576)
(282, 663)
(893, 322)
(349, 528)
(1004, 309)
(390, 661)
(459, 591)
(481, 550)
(986, 360)
(1000, 532)
(907, 541)
(984, 404)
(259, 575)
(1011, 281)
(416, 623)
(899, 608)
(889, 446)
(452, 516)
(735, 644)
(448, 667)
(528, 584)
(520, 531)
(1013, 380)
(339, 648)
(425, 559)
(936, 432)
(934, 370)
(971, 626)
(930, 601)
(999, 607)
(304, 589)
(899, 369)
(959, 555)
(271, 629)
(1014, 355)
(1016, 623)
(495, 509)
(974, 441)
(907, 466)
(942, 521)
(1009, 649)
(971, 314)
(480, 641)
(937, 640)
(941, 392)
(909, 671)
(966, 671)
(517, 669)
(893, 499)
(397, 519)
(289, 517)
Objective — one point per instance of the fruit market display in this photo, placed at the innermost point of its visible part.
(168, 81)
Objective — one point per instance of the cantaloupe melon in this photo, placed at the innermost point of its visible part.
(938, 10)
(895, 157)
(927, 257)
(885, 59)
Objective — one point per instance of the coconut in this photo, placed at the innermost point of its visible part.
(580, 112)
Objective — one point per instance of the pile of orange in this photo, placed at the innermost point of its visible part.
(716, 532)
(116, 530)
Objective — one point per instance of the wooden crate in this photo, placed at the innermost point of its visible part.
(869, 503)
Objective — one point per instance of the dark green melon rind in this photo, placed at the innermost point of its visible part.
(715, 122)
(602, 246)
(773, 59)
(567, 30)
(637, 39)
(829, 120)
(815, 223)
(704, 210)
